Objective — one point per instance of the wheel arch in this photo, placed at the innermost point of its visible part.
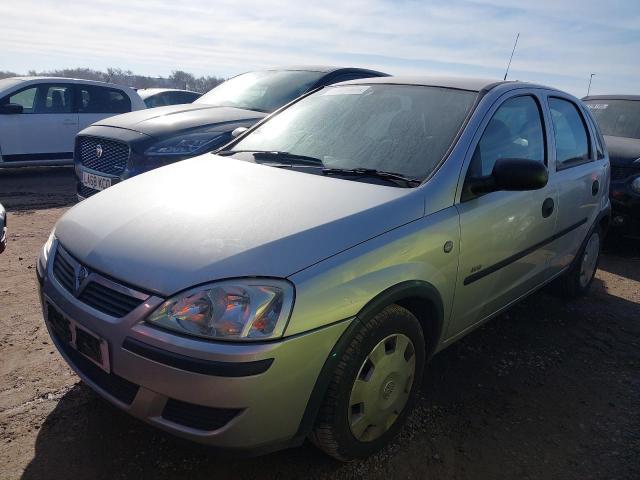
(421, 298)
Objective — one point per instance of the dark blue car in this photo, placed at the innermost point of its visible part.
(120, 147)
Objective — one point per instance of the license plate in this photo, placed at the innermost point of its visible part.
(79, 338)
(94, 181)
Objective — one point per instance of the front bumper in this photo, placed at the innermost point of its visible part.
(233, 401)
(625, 203)
(3, 239)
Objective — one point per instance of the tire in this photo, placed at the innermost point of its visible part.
(348, 429)
(577, 281)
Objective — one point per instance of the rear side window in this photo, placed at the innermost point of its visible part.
(514, 131)
(95, 99)
(572, 139)
(158, 100)
(176, 98)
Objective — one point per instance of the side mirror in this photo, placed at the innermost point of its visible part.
(511, 174)
(11, 108)
(238, 131)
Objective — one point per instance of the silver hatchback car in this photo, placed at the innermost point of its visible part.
(295, 284)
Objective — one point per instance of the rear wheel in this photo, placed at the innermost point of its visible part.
(578, 279)
(373, 387)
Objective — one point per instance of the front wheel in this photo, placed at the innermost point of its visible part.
(373, 387)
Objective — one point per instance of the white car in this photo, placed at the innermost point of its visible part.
(40, 116)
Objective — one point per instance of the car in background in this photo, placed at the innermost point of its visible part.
(3, 228)
(295, 283)
(161, 97)
(619, 120)
(117, 148)
(41, 116)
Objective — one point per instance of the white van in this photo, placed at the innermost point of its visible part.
(40, 116)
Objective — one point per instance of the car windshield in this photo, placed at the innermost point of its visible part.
(404, 129)
(617, 118)
(263, 91)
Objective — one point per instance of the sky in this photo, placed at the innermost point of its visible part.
(561, 42)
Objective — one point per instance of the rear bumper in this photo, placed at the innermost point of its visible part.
(229, 395)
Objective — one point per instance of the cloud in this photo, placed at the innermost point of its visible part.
(561, 43)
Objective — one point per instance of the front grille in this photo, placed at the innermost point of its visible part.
(114, 385)
(86, 192)
(102, 298)
(107, 300)
(64, 272)
(197, 416)
(113, 159)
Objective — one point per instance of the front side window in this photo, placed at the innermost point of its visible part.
(617, 118)
(26, 98)
(514, 131)
(263, 91)
(43, 99)
(572, 139)
(95, 99)
(405, 129)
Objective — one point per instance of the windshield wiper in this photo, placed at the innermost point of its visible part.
(278, 155)
(370, 172)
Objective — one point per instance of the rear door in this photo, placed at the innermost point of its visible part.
(504, 251)
(46, 128)
(579, 174)
(96, 102)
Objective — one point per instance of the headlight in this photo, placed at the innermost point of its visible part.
(185, 144)
(252, 309)
(46, 248)
(635, 185)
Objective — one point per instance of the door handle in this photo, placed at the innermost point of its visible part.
(595, 187)
(547, 207)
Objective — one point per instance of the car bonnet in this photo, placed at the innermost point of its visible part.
(213, 217)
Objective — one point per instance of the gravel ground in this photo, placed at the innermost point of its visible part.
(549, 390)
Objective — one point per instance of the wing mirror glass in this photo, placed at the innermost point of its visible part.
(511, 174)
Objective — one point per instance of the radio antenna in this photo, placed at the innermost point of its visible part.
(511, 57)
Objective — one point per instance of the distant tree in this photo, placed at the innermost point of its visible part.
(177, 79)
(7, 74)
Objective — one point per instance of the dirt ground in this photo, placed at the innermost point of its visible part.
(550, 390)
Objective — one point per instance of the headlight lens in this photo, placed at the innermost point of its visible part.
(46, 248)
(185, 144)
(253, 309)
(635, 185)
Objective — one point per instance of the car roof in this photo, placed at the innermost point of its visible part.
(326, 69)
(147, 92)
(27, 79)
(612, 97)
(459, 83)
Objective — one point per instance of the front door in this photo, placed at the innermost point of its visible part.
(46, 128)
(503, 253)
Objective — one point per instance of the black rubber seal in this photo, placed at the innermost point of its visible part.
(196, 365)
